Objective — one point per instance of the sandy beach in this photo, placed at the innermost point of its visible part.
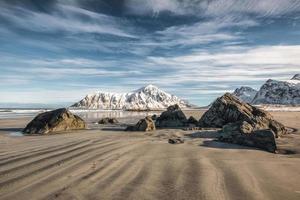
(107, 163)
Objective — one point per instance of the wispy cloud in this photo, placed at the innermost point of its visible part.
(64, 18)
(194, 48)
(214, 7)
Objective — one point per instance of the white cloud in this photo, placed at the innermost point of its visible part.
(249, 66)
(214, 7)
(64, 18)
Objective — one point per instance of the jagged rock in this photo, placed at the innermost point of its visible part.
(192, 120)
(146, 124)
(176, 140)
(53, 121)
(173, 117)
(108, 120)
(229, 109)
(262, 139)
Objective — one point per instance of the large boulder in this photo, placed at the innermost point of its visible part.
(146, 124)
(229, 109)
(53, 121)
(173, 117)
(262, 139)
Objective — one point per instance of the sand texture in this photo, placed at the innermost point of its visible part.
(112, 164)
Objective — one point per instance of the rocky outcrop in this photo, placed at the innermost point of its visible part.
(173, 117)
(245, 94)
(54, 121)
(229, 109)
(242, 123)
(146, 124)
(108, 120)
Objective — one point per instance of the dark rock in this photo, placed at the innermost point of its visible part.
(192, 120)
(229, 109)
(146, 124)
(52, 121)
(154, 117)
(176, 140)
(173, 117)
(108, 120)
(262, 139)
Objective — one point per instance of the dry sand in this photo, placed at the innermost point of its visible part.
(111, 164)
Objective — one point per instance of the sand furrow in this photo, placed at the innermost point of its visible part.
(126, 176)
(33, 160)
(36, 145)
(22, 156)
(48, 165)
(101, 176)
(79, 161)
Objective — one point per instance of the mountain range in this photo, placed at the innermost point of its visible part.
(272, 92)
(149, 97)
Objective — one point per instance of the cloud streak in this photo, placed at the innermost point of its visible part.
(64, 18)
(214, 7)
(194, 48)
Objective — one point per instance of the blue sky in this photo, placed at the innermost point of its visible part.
(57, 51)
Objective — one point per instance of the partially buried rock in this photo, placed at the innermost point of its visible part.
(146, 124)
(263, 139)
(177, 140)
(53, 121)
(173, 117)
(108, 120)
(229, 109)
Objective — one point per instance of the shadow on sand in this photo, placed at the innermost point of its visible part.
(11, 129)
(223, 145)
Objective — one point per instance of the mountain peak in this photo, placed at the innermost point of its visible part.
(150, 86)
(148, 89)
(296, 77)
(245, 93)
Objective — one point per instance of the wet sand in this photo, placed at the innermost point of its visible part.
(112, 164)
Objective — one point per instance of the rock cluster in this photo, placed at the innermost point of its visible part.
(242, 123)
(146, 124)
(173, 117)
(53, 121)
(229, 109)
(108, 120)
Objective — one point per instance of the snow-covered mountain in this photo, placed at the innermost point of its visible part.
(245, 94)
(279, 92)
(146, 98)
(296, 77)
